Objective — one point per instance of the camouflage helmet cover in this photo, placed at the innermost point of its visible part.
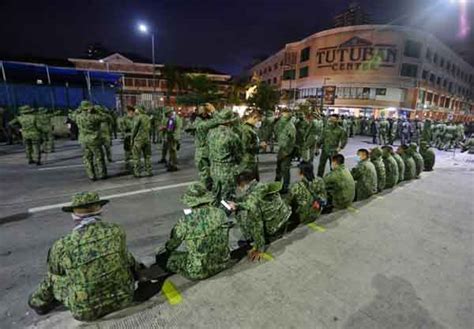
(84, 200)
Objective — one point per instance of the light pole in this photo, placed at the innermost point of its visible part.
(322, 95)
(144, 29)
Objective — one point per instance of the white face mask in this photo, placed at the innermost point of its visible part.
(258, 124)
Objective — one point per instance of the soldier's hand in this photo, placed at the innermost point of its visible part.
(255, 255)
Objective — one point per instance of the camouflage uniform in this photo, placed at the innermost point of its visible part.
(340, 187)
(449, 137)
(90, 270)
(417, 131)
(309, 142)
(301, 197)
(428, 156)
(301, 126)
(427, 134)
(383, 132)
(141, 143)
(333, 137)
(420, 165)
(265, 133)
(262, 215)
(286, 136)
(391, 169)
(89, 121)
(376, 159)
(30, 132)
(250, 144)
(410, 166)
(441, 128)
(468, 146)
(393, 132)
(459, 134)
(365, 176)
(225, 154)
(106, 132)
(400, 166)
(126, 126)
(46, 128)
(205, 234)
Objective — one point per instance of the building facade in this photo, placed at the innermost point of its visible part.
(141, 82)
(374, 70)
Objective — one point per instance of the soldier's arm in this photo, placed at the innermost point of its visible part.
(14, 122)
(355, 172)
(177, 235)
(343, 140)
(55, 255)
(136, 126)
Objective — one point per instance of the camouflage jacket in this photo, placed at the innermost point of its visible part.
(468, 146)
(333, 137)
(141, 128)
(400, 166)
(340, 187)
(44, 122)
(204, 234)
(419, 163)
(262, 212)
(365, 176)
(225, 145)
(201, 128)
(428, 158)
(29, 126)
(266, 130)
(410, 166)
(96, 263)
(391, 170)
(376, 159)
(301, 196)
(89, 125)
(126, 126)
(250, 143)
(286, 136)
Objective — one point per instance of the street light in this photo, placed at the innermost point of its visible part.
(143, 28)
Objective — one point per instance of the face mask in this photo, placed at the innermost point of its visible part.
(258, 125)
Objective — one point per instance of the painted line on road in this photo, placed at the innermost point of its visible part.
(267, 256)
(317, 228)
(70, 166)
(171, 293)
(112, 196)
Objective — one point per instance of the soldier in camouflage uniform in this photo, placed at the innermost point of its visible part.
(376, 159)
(285, 132)
(89, 122)
(106, 131)
(170, 130)
(340, 185)
(468, 145)
(365, 176)
(250, 143)
(459, 134)
(31, 133)
(265, 132)
(449, 136)
(419, 162)
(400, 165)
(204, 231)
(333, 140)
(441, 135)
(126, 127)
(417, 131)
(307, 197)
(428, 156)
(427, 134)
(383, 131)
(261, 213)
(391, 167)
(410, 165)
(225, 154)
(46, 128)
(90, 270)
(392, 135)
(301, 126)
(163, 134)
(141, 145)
(308, 147)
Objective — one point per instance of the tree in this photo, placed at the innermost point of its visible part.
(266, 97)
(200, 90)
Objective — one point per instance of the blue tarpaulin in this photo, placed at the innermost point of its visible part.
(55, 87)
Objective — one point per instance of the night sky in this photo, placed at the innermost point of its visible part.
(224, 34)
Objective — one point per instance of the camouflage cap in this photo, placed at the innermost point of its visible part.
(86, 105)
(196, 195)
(84, 200)
(225, 116)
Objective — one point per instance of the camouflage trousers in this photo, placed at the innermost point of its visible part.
(307, 153)
(33, 150)
(325, 156)
(127, 149)
(382, 138)
(203, 166)
(223, 180)
(179, 262)
(48, 141)
(107, 145)
(94, 161)
(173, 151)
(164, 148)
(141, 148)
(283, 170)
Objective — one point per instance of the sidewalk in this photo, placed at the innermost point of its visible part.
(404, 259)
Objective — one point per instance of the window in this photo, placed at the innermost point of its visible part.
(303, 72)
(441, 62)
(412, 49)
(448, 65)
(409, 70)
(432, 78)
(438, 81)
(275, 66)
(435, 58)
(274, 80)
(424, 75)
(429, 54)
(381, 91)
(289, 75)
(269, 69)
(445, 83)
(304, 54)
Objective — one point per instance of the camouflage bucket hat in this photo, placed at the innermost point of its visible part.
(225, 116)
(196, 195)
(84, 200)
(86, 105)
(141, 109)
(25, 109)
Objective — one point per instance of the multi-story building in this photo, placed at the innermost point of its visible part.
(374, 69)
(353, 15)
(141, 82)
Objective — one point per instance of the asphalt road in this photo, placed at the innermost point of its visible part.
(31, 197)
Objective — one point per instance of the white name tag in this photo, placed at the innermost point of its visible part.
(225, 204)
(187, 211)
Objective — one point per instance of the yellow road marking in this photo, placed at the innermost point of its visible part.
(316, 227)
(171, 293)
(352, 209)
(267, 256)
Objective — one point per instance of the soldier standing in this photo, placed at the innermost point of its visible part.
(265, 132)
(141, 145)
(46, 128)
(89, 121)
(405, 132)
(308, 147)
(169, 133)
(106, 132)
(250, 143)
(31, 133)
(225, 154)
(383, 130)
(427, 134)
(286, 135)
(126, 127)
(333, 140)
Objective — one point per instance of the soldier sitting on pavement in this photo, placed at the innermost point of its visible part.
(365, 176)
(376, 159)
(90, 270)
(419, 162)
(410, 165)
(308, 196)
(428, 156)
(261, 213)
(204, 233)
(391, 167)
(340, 185)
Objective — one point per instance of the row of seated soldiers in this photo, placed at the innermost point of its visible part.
(92, 273)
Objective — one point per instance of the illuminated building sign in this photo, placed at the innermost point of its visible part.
(357, 54)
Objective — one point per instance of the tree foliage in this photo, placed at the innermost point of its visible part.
(266, 98)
